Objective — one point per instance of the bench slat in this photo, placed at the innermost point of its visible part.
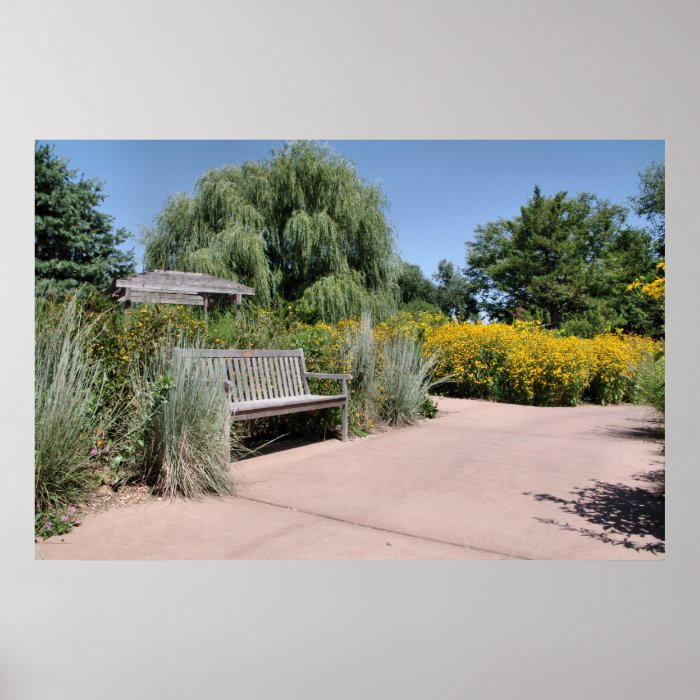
(282, 376)
(259, 378)
(241, 379)
(231, 376)
(276, 382)
(258, 409)
(290, 373)
(211, 352)
(251, 379)
(262, 394)
(290, 377)
(297, 375)
(268, 378)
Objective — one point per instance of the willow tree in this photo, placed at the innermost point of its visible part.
(300, 226)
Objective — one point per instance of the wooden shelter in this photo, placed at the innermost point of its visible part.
(187, 288)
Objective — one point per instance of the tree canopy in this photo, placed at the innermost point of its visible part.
(454, 294)
(299, 226)
(650, 203)
(563, 259)
(414, 286)
(74, 242)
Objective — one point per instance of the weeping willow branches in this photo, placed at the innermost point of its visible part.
(301, 225)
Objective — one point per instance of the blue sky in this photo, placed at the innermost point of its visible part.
(438, 190)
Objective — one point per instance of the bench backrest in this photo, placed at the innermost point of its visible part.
(255, 374)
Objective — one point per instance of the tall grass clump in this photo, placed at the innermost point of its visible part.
(406, 377)
(68, 385)
(359, 357)
(181, 427)
(650, 384)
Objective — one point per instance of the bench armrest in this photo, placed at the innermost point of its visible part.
(325, 375)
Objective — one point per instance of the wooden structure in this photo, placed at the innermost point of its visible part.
(263, 383)
(187, 288)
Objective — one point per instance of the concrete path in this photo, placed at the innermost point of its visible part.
(482, 481)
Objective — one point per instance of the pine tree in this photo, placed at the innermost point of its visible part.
(562, 259)
(74, 243)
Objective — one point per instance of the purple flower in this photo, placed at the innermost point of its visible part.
(94, 451)
(48, 526)
(64, 518)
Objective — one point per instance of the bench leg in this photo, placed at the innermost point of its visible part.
(345, 421)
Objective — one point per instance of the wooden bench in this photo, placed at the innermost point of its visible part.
(263, 383)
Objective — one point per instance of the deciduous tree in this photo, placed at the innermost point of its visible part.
(299, 226)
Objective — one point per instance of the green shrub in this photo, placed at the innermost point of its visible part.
(429, 408)
(650, 384)
(144, 332)
(67, 406)
(421, 306)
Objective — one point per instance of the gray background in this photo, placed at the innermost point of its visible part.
(497, 69)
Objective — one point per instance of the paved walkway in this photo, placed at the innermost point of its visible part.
(482, 481)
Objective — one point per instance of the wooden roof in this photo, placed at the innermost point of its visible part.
(171, 282)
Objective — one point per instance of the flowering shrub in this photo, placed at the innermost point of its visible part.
(407, 324)
(56, 522)
(526, 364)
(138, 335)
(615, 362)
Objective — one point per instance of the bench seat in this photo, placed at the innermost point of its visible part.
(246, 410)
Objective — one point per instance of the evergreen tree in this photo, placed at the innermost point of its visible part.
(74, 243)
(300, 226)
(562, 260)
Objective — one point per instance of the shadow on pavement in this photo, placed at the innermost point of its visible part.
(629, 511)
(652, 433)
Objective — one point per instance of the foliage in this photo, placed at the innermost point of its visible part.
(523, 363)
(300, 225)
(418, 305)
(337, 297)
(429, 408)
(67, 410)
(408, 324)
(405, 379)
(650, 385)
(650, 203)
(563, 259)
(454, 294)
(359, 357)
(150, 390)
(137, 336)
(182, 419)
(414, 286)
(656, 289)
(73, 241)
(58, 521)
